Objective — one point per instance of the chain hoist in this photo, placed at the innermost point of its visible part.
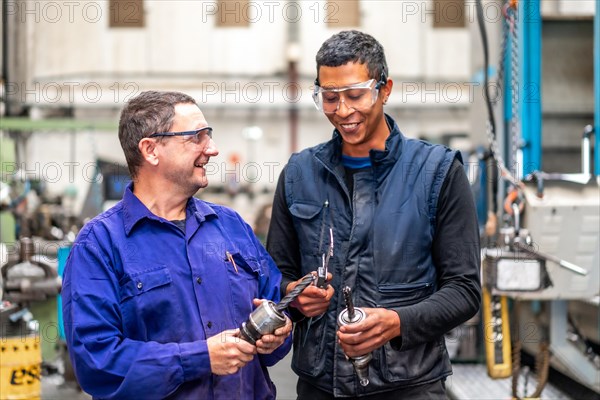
(515, 158)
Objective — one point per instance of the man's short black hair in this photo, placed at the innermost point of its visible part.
(353, 46)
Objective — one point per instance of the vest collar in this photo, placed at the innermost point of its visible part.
(330, 153)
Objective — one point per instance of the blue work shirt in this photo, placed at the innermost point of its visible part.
(140, 298)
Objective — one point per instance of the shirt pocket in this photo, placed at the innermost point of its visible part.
(138, 283)
(147, 297)
(244, 274)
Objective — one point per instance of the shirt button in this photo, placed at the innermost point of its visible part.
(209, 324)
(199, 280)
(139, 285)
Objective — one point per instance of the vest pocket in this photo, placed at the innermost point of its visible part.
(410, 365)
(305, 210)
(403, 294)
(309, 223)
(407, 365)
(309, 342)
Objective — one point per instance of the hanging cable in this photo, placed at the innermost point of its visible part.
(486, 64)
(491, 225)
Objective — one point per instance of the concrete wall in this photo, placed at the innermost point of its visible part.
(66, 60)
(73, 39)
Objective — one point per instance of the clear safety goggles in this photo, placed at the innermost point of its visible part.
(198, 136)
(360, 96)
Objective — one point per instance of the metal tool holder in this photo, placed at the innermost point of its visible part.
(354, 315)
(267, 317)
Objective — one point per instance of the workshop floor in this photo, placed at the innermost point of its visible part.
(55, 388)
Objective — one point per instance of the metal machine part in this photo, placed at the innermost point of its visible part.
(354, 315)
(31, 279)
(562, 263)
(267, 317)
(560, 231)
(512, 267)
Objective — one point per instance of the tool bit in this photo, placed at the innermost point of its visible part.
(295, 292)
(354, 315)
(348, 300)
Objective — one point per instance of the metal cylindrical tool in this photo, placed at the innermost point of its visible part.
(354, 315)
(267, 317)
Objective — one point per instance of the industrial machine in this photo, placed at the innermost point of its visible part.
(541, 258)
(29, 281)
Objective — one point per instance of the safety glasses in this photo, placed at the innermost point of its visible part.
(199, 136)
(360, 96)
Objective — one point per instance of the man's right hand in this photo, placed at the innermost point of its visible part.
(228, 352)
(312, 301)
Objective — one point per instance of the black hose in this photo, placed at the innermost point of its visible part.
(492, 178)
(486, 64)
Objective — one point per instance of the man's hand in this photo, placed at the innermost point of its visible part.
(268, 343)
(228, 352)
(312, 301)
(378, 328)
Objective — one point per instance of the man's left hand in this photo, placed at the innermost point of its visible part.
(268, 343)
(378, 328)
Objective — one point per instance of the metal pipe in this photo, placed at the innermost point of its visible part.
(530, 71)
(5, 69)
(586, 161)
(547, 256)
(293, 82)
(597, 88)
(516, 213)
(292, 55)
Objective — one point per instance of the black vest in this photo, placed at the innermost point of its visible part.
(383, 234)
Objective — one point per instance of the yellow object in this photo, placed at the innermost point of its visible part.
(496, 329)
(20, 367)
